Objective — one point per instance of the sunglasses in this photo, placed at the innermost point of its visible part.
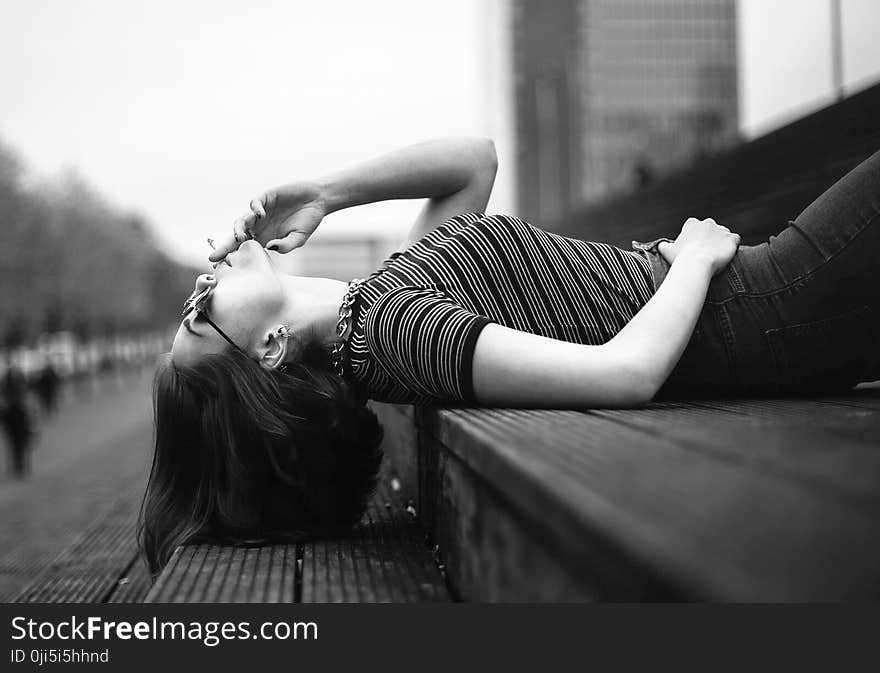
(198, 302)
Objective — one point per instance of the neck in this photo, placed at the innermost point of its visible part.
(313, 307)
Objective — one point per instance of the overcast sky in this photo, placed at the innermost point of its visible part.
(183, 110)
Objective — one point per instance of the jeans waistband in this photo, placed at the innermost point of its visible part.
(659, 265)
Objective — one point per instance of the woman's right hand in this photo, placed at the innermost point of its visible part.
(281, 219)
(703, 239)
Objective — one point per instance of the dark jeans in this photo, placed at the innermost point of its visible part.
(798, 314)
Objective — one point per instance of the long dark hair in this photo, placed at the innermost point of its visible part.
(244, 454)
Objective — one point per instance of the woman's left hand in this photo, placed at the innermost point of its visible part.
(280, 219)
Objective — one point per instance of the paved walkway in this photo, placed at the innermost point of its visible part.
(93, 451)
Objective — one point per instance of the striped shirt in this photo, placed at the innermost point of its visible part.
(417, 318)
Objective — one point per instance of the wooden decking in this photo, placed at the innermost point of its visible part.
(102, 565)
(740, 500)
(384, 560)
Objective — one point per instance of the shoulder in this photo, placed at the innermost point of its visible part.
(501, 225)
(444, 230)
(464, 223)
(478, 220)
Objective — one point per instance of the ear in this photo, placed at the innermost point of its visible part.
(276, 347)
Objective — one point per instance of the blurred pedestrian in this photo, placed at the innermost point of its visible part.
(643, 174)
(17, 422)
(47, 386)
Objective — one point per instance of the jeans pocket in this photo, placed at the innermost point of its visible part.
(824, 355)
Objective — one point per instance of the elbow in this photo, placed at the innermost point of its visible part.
(640, 387)
(634, 393)
(644, 394)
(483, 168)
(488, 167)
(484, 155)
(490, 154)
(647, 387)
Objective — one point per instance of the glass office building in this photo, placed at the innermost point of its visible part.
(610, 94)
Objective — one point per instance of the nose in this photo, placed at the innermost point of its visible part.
(244, 254)
(247, 249)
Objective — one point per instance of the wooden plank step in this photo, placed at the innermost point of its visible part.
(133, 585)
(606, 494)
(219, 574)
(384, 559)
(828, 415)
(90, 569)
(863, 396)
(828, 448)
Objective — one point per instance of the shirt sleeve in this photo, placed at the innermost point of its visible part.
(425, 341)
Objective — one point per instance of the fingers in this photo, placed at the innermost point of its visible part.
(714, 223)
(665, 251)
(292, 241)
(230, 242)
(241, 227)
(224, 246)
(709, 220)
(258, 207)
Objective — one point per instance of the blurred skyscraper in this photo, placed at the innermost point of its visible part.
(611, 93)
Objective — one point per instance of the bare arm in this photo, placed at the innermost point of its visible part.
(519, 369)
(455, 175)
(513, 368)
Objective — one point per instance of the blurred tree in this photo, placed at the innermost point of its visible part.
(69, 260)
